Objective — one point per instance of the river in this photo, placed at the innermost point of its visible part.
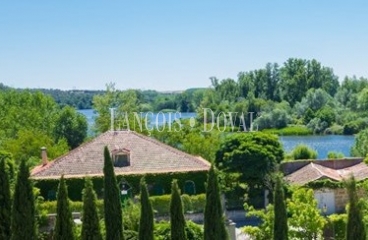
(321, 143)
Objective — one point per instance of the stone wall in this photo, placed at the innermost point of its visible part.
(342, 199)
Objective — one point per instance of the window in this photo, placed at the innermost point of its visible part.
(121, 157)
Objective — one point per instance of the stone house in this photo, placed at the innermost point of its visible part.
(133, 156)
(330, 200)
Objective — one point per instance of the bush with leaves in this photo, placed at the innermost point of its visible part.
(265, 229)
(306, 221)
(277, 118)
(360, 147)
(193, 231)
(302, 151)
(335, 155)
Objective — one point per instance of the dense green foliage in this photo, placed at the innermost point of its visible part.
(214, 222)
(90, 219)
(146, 220)
(112, 205)
(249, 158)
(360, 147)
(265, 229)
(23, 222)
(306, 221)
(70, 125)
(280, 229)
(193, 231)
(355, 229)
(64, 222)
(31, 120)
(302, 151)
(150, 100)
(177, 220)
(337, 223)
(160, 182)
(5, 200)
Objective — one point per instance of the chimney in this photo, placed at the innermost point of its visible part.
(44, 156)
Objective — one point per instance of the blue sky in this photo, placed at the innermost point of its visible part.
(173, 45)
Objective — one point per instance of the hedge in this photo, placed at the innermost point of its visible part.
(158, 184)
(160, 204)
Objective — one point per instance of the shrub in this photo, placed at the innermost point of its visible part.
(302, 151)
(335, 129)
(335, 155)
(193, 231)
(355, 126)
(337, 222)
(193, 203)
(291, 130)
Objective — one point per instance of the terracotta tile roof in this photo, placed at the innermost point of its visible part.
(147, 155)
(314, 171)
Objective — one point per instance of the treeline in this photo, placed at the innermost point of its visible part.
(149, 100)
(300, 92)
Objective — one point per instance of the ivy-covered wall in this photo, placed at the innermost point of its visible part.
(158, 184)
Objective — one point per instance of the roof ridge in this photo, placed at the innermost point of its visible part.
(318, 170)
(172, 149)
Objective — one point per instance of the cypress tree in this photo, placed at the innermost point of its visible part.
(23, 223)
(5, 202)
(146, 220)
(64, 220)
(177, 219)
(112, 204)
(214, 223)
(90, 224)
(280, 228)
(355, 226)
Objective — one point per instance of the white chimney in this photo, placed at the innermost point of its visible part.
(44, 156)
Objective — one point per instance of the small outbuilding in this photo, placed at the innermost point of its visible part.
(326, 178)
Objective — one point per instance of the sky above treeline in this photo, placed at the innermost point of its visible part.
(173, 45)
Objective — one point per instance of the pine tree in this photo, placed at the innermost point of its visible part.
(146, 220)
(5, 202)
(280, 227)
(64, 221)
(355, 226)
(23, 223)
(177, 219)
(112, 204)
(90, 224)
(214, 223)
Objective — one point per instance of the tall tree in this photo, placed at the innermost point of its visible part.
(71, 125)
(23, 224)
(112, 204)
(280, 226)
(248, 158)
(125, 103)
(214, 224)
(355, 227)
(146, 220)
(64, 221)
(177, 219)
(90, 223)
(5, 200)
